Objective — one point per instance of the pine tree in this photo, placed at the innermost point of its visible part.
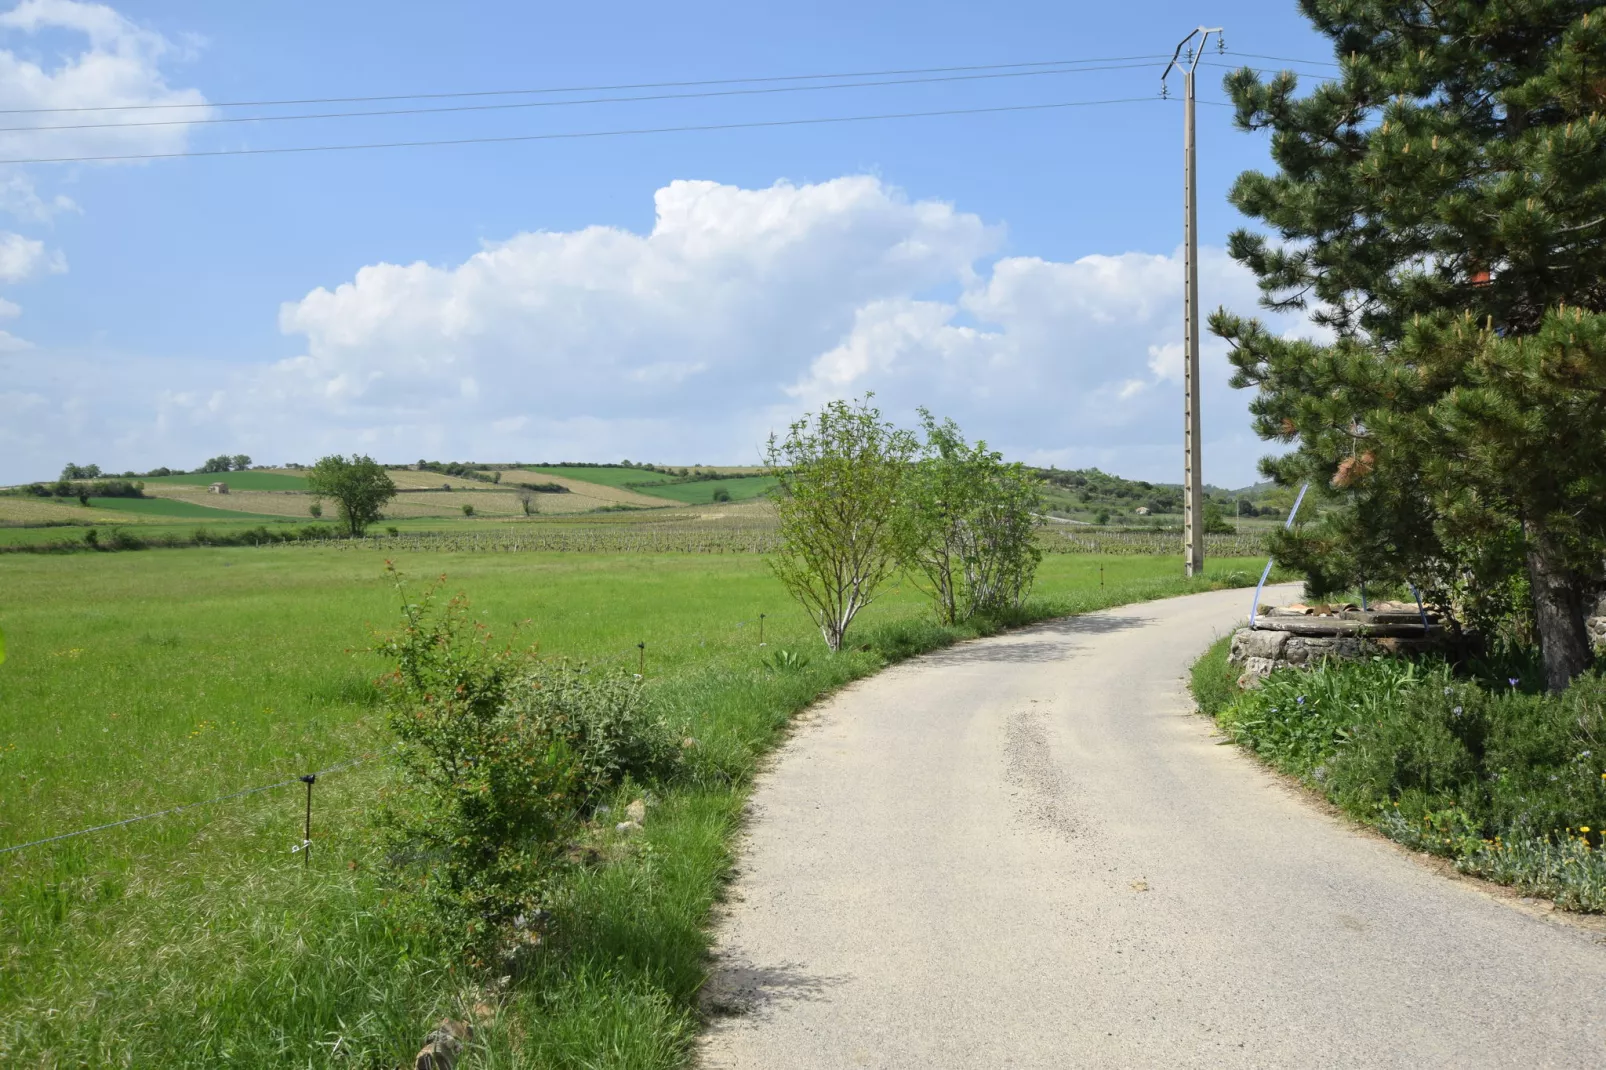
(1440, 207)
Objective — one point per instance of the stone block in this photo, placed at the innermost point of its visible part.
(1256, 643)
(1308, 650)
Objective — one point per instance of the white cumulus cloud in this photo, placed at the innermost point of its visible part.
(689, 343)
(87, 95)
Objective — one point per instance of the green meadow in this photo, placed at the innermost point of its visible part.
(740, 488)
(139, 681)
(607, 477)
(658, 484)
(173, 507)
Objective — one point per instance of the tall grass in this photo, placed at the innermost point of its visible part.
(137, 681)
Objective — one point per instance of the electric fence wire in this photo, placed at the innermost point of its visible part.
(187, 806)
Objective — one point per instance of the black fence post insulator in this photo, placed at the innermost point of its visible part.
(306, 840)
(642, 671)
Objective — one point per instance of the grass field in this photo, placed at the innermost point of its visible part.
(138, 681)
(235, 480)
(702, 493)
(168, 507)
(660, 485)
(607, 477)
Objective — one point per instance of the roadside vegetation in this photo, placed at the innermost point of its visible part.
(1437, 207)
(1479, 767)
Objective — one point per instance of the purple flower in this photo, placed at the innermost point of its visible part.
(1456, 711)
(1301, 700)
(1512, 680)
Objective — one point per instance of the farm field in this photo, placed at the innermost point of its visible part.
(166, 507)
(136, 681)
(740, 489)
(661, 485)
(248, 480)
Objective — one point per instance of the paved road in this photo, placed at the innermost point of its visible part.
(1028, 852)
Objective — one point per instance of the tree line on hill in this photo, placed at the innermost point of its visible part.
(239, 462)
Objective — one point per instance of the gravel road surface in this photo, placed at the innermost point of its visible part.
(1028, 851)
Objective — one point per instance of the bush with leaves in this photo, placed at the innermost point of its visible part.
(1508, 781)
(839, 473)
(498, 758)
(965, 525)
(604, 719)
(485, 796)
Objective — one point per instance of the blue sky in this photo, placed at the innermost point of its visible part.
(534, 301)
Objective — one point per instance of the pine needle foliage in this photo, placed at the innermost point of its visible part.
(1440, 208)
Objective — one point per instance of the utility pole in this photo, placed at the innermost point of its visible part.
(1192, 478)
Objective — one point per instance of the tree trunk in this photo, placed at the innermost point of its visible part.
(1559, 596)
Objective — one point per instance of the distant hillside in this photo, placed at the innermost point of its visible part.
(1092, 495)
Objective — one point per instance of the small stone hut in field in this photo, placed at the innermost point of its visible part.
(218, 488)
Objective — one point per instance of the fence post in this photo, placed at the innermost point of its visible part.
(306, 839)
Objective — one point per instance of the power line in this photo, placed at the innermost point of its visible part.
(767, 90)
(582, 88)
(586, 133)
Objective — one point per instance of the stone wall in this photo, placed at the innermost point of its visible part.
(1260, 651)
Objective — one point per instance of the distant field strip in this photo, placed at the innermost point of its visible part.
(235, 480)
(607, 490)
(659, 484)
(702, 491)
(42, 511)
(607, 477)
(169, 507)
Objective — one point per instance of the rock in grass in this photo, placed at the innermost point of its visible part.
(443, 1046)
(627, 826)
(637, 811)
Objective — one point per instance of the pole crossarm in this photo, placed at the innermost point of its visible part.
(1192, 60)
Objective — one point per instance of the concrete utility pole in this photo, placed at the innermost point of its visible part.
(1192, 479)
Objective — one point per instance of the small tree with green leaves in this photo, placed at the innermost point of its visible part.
(966, 525)
(359, 486)
(240, 462)
(839, 473)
